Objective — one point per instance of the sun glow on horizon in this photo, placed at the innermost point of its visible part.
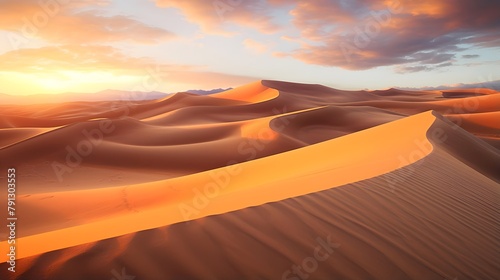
(66, 81)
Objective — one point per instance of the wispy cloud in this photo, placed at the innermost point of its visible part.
(80, 22)
(213, 16)
(86, 58)
(470, 56)
(255, 46)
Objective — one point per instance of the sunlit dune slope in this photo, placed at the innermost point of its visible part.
(422, 212)
(484, 125)
(252, 93)
(132, 208)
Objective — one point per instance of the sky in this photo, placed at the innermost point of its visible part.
(55, 46)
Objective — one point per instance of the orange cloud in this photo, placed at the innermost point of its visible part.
(255, 46)
(208, 80)
(65, 22)
(84, 58)
(213, 16)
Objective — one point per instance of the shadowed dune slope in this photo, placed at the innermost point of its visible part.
(478, 154)
(331, 122)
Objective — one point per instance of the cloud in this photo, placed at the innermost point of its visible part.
(369, 33)
(470, 56)
(360, 34)
(209, 80)
(82, 58)
(213, 16)
(409, 68)
(73, 22)
(255, 46)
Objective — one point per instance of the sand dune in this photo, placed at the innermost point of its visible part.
(252, 93)
(241, 184)
(249, 188)
(419, 231)
(467, 92)
(331, 122)
(483, 125)
(10, 136)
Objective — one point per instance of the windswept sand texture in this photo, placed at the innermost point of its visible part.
(248, 183)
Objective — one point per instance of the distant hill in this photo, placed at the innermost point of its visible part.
(495, 85)
(105, 95)
(207, 92)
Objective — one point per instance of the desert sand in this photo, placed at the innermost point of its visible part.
(242, 184)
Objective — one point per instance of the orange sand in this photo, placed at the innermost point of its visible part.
(271, 162)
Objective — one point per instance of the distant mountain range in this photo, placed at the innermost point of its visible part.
(105, 95)
(207, 92)
(487, 84)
